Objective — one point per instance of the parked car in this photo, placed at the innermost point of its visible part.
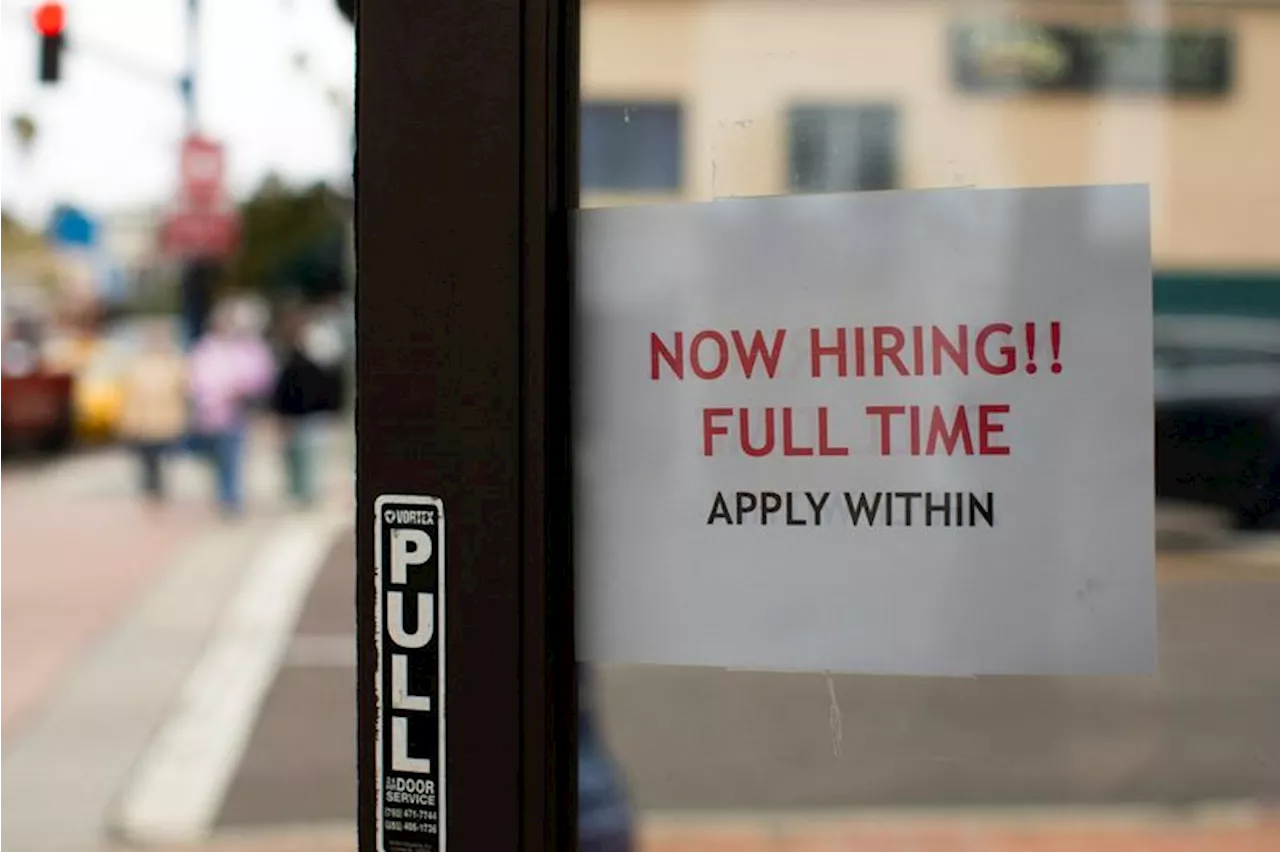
(35, 397)
(1218, 416)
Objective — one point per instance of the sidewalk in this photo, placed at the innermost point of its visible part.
(78, 544)
(108, 607)
(973, 840)
(77, 560)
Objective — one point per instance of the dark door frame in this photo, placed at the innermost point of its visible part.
(466, 172)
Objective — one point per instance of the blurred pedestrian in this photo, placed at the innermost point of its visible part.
(231, 369)
(303, 393)
(153, 414)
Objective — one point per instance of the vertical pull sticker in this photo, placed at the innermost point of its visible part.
(409, 680)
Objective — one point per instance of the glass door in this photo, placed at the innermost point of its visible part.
(1007, 270)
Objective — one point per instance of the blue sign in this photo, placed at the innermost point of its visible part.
(73, 228)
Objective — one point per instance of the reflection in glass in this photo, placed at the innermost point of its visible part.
(809, 96)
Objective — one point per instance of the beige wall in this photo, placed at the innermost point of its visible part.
(736, 65)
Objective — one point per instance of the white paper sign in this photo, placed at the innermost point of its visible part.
(889, 432)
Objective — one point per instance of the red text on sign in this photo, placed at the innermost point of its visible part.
(711, 353)
(937, 429)
(769, 431)
(933, 350)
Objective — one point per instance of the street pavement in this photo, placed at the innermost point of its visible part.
(748, 747)
(300, 765)
(190, 685)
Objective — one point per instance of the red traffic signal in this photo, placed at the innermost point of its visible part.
(50, 18)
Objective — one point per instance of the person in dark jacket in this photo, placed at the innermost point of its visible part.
(305, 390)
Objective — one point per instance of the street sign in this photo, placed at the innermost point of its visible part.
(202, 165)
(903, 432)
(72, 227)
(195, 232)
(410, 676)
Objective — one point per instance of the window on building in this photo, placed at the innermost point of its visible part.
(842, 148)
(631, 146)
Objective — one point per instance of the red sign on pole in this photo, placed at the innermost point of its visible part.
(194, 232)
(203, 164)
(203, 224)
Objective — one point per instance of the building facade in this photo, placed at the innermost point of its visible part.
(700, 99)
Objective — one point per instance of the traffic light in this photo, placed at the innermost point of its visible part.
(50, 18)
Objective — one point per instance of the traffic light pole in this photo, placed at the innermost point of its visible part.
(465, 176)
(198, 275)
(188, 84)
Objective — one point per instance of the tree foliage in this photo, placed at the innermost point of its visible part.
(25, 130)
(291, 241)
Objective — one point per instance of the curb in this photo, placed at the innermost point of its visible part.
(325, 837)
(1232, 827)
(1254, 558)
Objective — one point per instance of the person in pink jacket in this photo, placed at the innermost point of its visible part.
(231, 367)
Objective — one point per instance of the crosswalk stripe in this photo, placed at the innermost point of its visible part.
(184, 775)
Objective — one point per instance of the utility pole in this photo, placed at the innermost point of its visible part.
(198, 274)
(193, 62)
